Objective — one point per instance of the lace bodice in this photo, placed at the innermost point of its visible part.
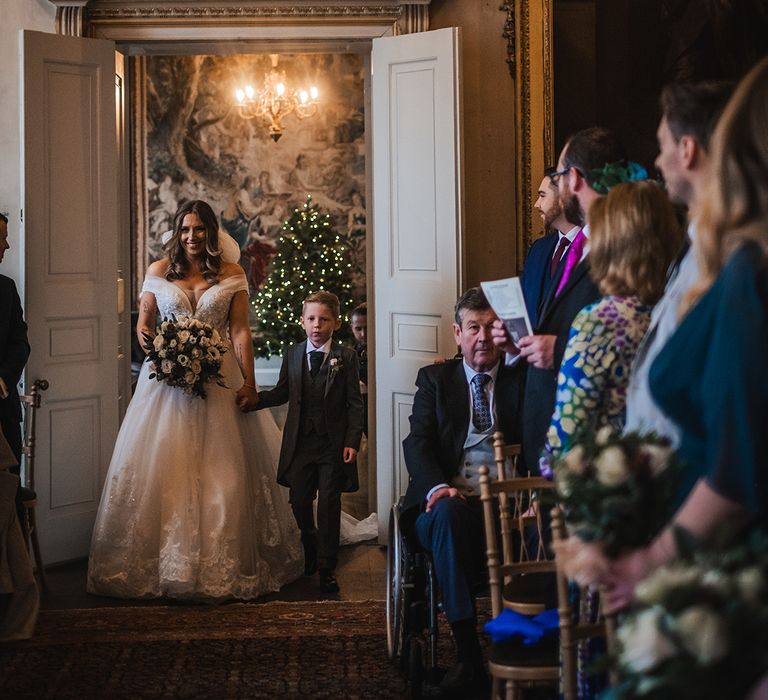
(212, 307)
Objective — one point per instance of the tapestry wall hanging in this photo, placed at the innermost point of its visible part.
(198, 146)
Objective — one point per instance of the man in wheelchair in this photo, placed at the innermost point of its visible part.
(458, 406)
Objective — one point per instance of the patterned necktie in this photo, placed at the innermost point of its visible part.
(316, 358)
(572, 258)
(481, 409)
(561, 248)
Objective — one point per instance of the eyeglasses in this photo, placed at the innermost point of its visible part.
(558, 173)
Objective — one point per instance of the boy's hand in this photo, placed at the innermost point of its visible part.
(349, 454)
(247, 398)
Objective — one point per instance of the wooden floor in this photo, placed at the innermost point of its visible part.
(361, 574)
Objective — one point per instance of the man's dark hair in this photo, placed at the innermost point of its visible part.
(692, 109)
(360, 310)
(592, 148)
(3, 218)
(472, 300)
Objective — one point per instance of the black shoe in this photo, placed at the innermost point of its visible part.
(310, 557)
(328, 582)
(465, 680)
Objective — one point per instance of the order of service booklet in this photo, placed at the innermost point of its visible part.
(506, 298)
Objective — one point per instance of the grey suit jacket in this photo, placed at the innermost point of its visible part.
(342, 405)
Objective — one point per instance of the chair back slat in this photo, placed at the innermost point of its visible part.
(514, 497)
(590, 623)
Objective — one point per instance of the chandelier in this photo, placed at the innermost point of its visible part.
(275, 101)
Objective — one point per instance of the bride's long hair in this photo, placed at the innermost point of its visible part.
(210, 265)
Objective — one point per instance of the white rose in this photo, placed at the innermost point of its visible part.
(214, 353)
(604, 435)
(183, 360)
(611, 467)
(703, 634)
(751, 584)
(166, 366)
(644, 646)
(172, 343)
(158, 342)
(196, 367)
(574, 460)
(164, 326)
(183, 336)
(189, 377)
(195, 352)
(204, 342)
(162, 353)
(658, 457)
(654, 588)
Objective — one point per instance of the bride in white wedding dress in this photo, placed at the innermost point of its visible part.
(191, 507)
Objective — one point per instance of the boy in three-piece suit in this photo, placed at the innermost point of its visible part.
(320, 381)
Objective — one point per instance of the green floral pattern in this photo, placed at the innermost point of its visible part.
(594, 374)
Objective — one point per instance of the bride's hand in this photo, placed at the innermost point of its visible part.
(247, 397)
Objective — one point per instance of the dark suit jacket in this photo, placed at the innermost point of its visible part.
(343, 406)
(14, 351)
(535, 279)
(555, 318)
(440, 421)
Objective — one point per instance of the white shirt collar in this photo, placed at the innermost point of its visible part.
(326, 347)
(471, 372)
(570, 235)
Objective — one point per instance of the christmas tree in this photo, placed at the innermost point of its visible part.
(310, 257)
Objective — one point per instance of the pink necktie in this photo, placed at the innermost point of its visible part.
(572, 258)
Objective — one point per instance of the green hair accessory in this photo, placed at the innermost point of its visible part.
(602, 180)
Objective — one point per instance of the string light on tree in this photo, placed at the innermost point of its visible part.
(310, 256)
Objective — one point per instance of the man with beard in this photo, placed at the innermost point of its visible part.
(586, 151)
(546, 253)
(689, 114)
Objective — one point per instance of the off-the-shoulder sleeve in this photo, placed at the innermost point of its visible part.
(235, 283)
(153, 284)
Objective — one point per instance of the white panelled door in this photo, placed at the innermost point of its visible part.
(417, 230)
(70, 205)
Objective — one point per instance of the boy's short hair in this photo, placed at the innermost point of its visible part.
(328, 299)
(360, 310)
(472, 300)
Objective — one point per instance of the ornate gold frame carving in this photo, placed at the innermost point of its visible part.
(528, 30)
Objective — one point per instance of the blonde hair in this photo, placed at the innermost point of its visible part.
(328, 299)
(733, 206)
(634, 236)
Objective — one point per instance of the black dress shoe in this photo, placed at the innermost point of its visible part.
(465, 680)
(328, 582)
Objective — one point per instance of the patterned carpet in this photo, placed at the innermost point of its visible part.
(271, 650)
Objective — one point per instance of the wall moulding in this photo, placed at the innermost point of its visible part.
(142, 20)
(528, 31)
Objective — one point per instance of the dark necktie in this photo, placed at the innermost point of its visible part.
(481, 409)
(561, 248)
(315, 361)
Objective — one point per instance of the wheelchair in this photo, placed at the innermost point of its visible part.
(412, 607)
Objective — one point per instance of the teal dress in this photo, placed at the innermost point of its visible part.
(711, 378)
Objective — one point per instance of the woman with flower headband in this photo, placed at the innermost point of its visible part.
(191, 507)
(710, 377)
(634, 238)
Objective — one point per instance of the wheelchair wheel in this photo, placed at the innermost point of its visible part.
(395, 571)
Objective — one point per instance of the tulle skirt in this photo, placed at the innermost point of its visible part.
(191, 507)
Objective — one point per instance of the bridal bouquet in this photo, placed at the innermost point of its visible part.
(617, 490)
(699, 629)
(186, 353)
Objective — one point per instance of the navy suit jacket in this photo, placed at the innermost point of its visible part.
(440, 422)
(535, 278)
(555, 318)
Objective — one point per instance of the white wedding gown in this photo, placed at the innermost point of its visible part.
(191, 507)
